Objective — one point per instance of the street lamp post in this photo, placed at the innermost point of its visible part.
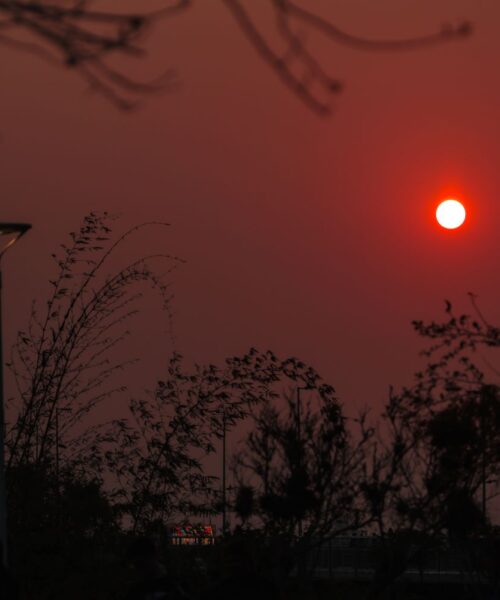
(299, 438)
(224, 499)
(9, 234)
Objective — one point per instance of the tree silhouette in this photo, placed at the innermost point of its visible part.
(312, 479)
(64, 365)
(292, 55)
(63, 362)
(460, 338)
(85, 39)
(304, 475)
(439, 446)
(157, 460)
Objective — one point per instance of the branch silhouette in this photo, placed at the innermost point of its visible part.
(84, 39)
(299, 67)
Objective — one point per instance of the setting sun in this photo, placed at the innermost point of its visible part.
(450, 214)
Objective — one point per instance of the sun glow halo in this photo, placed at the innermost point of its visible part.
(450, 214)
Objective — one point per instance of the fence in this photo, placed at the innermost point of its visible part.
(359, 559)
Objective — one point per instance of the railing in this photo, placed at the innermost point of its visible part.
(359, 559)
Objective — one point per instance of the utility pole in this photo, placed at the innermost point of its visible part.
(299, 440)
(57, 450)
(3, 491)
(10, 232)
(224, 505)
(482, 407)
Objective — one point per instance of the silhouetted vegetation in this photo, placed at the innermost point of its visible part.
(300, 476)
(86, 39)
(437, 461)
(156, 455)
(416, 482)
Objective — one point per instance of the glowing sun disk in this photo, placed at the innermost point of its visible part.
(450, 214)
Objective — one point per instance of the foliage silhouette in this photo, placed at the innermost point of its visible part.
(421, 479)
(64, 365)
(158, 457)
(438, 453)
(299, 482)
(85, 39)
(285, 479)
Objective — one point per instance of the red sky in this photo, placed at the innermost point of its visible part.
(313, 237)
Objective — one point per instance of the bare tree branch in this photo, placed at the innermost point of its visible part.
(84, 39)
(299, 68)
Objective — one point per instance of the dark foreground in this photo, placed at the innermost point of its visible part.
(236, 569)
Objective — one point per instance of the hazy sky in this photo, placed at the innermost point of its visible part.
(313, 237)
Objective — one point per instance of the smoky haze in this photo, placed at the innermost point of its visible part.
(314, 237)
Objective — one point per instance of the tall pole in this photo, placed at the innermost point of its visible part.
(483, 461)
(483, 399)
(299, 438)
(3, 490)
(14, 231)
(224, 511)
(57, 451)
(58, 488)
(298, 416)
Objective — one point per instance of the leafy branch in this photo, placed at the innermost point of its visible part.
(63, 362)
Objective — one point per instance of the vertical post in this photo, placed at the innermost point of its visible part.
(330, 559)
(299, 449)
(58, 492)
(482, 408)
(224, 512)
(36, 441)
(57, 451)
(15, 231)
(356, 561)
(3, 490)
(298, 415)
